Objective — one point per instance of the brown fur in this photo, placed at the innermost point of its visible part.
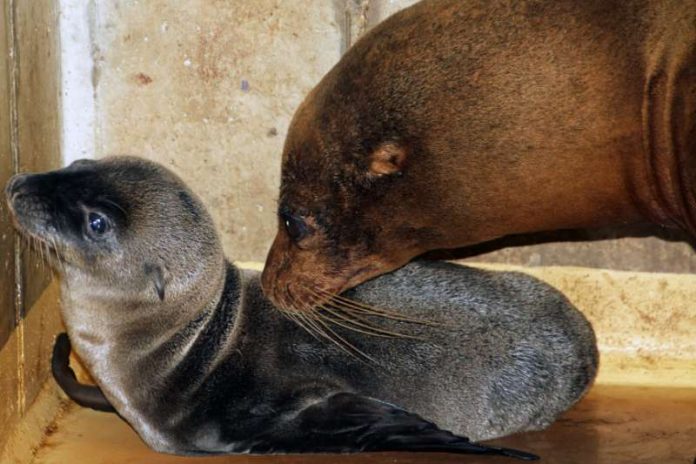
(506, 117)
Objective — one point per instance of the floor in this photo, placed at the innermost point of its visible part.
(612, 425)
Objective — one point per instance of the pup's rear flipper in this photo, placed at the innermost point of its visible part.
(346, 423)
(88, 396)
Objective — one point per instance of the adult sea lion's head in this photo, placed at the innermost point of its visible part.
(349, 207)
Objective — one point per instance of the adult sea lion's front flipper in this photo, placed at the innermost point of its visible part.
(346, 423)
(88, 396)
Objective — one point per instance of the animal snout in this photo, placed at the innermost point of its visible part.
(15, 184)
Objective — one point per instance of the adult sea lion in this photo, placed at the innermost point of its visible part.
(188, 350)
(455, 122)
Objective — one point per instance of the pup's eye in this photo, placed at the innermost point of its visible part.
(98, 223)
(295, 226)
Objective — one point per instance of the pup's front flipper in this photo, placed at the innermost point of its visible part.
(88, 396)
(346, 423)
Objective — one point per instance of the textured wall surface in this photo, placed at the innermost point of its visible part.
(208, 88)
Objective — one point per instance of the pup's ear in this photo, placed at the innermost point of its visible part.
(155, 273)
(388, 159)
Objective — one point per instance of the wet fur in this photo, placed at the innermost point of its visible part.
(511, 117)
(213, 367)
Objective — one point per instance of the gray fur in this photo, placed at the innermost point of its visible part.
(195, 358)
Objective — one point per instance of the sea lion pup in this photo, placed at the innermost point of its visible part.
(456, 122)
(188, 350)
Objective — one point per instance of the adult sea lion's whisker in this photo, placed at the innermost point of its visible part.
(347, 314)
(358, 304)
(307, 322)
(322, 331)
(349, 320)
(298, 318)
(349, 305)
(345, 344)
(347, 323)
(313, 320)
(294, 317)
(324, 294)
(352, 305)
(370, 329)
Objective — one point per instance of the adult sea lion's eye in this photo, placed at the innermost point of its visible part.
(98, 223)
(295, 226)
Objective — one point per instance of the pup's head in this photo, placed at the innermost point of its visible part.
(125, 225)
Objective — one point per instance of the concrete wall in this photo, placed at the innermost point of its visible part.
(208, 88)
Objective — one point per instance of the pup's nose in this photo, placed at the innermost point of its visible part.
(14, 184)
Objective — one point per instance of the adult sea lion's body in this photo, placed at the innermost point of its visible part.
(455, 122)
(188, 350)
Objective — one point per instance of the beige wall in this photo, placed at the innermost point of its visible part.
(208, 88)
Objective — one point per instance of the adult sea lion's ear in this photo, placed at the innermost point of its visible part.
(156, 275)
(388, 159)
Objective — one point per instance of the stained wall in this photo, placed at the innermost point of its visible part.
(208, 88)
